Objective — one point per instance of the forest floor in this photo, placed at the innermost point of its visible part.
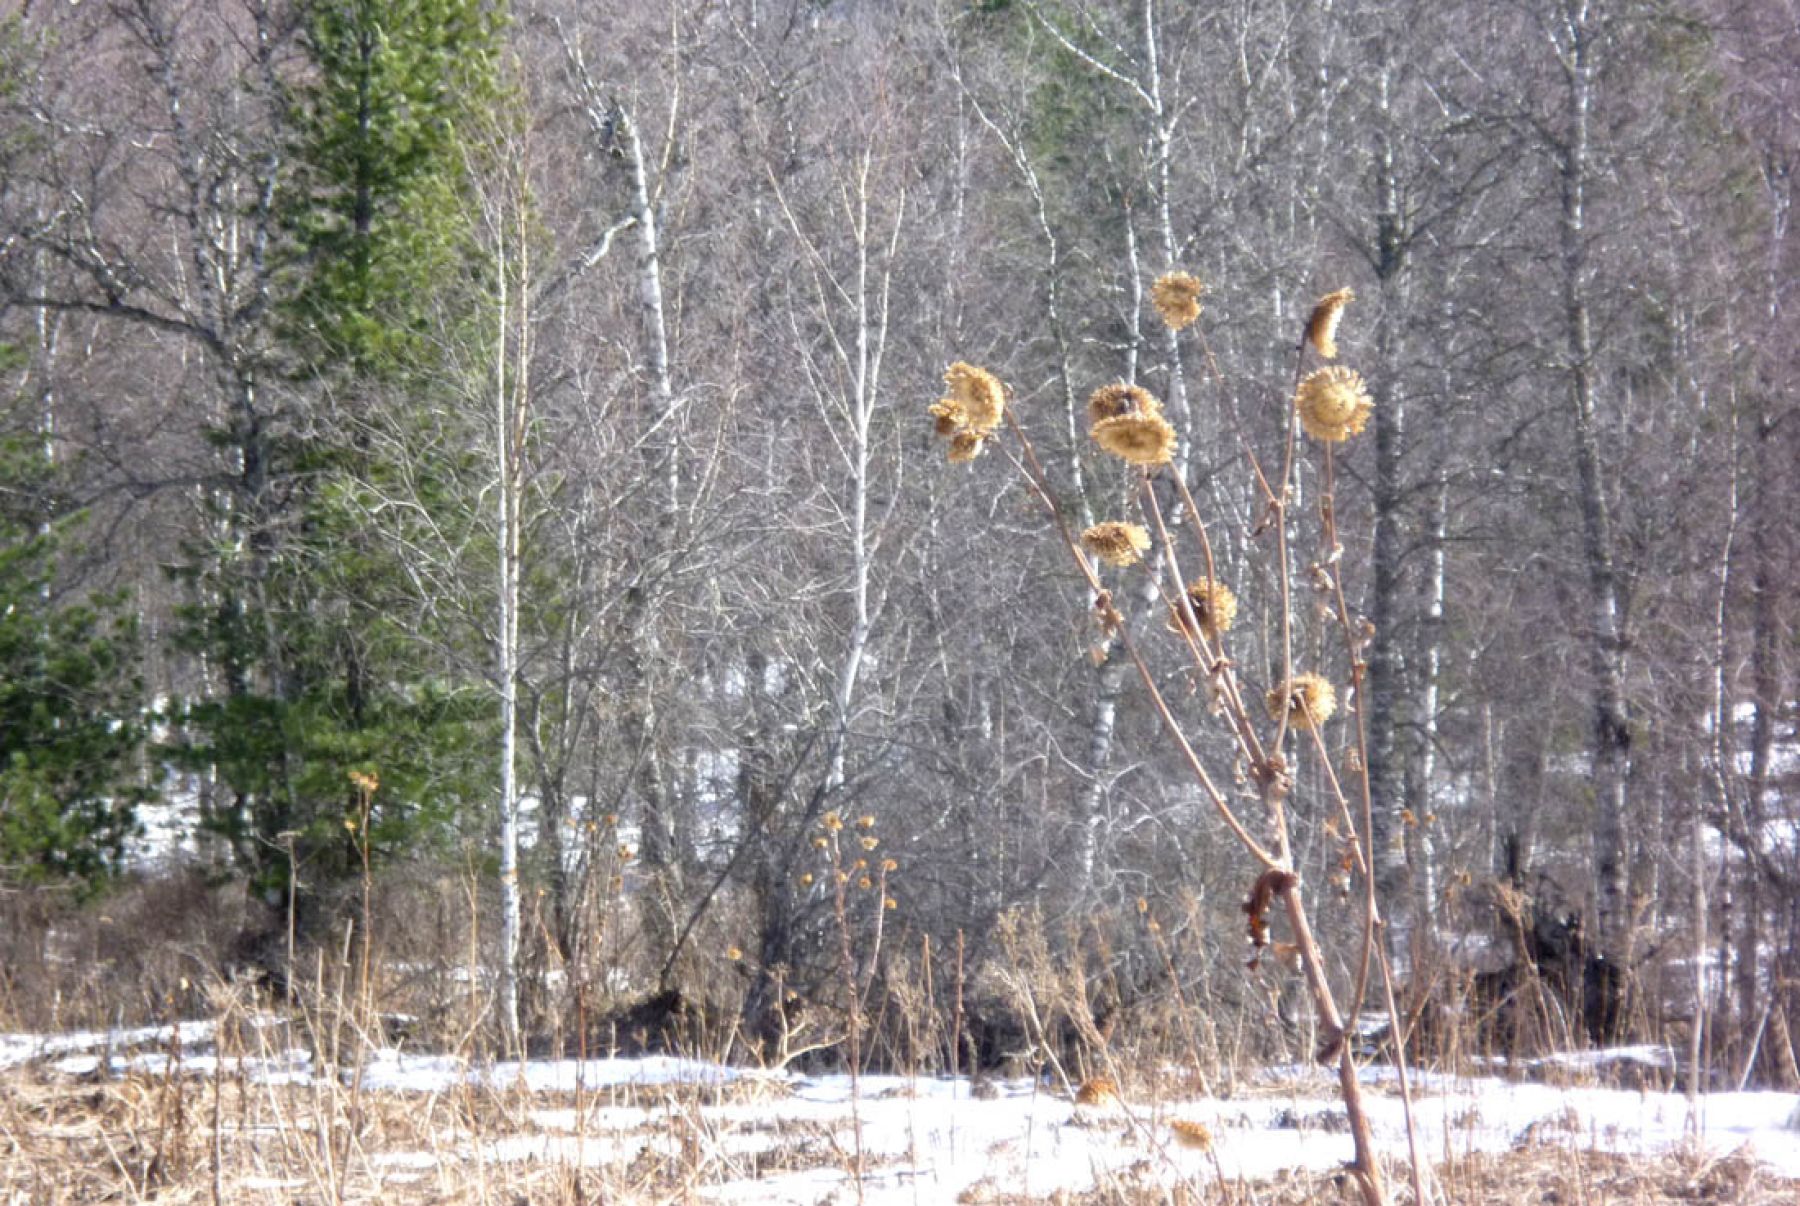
(158, 1114)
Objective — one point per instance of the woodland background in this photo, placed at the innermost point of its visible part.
(413, 407)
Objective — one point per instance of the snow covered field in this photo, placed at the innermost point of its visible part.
(660, 1128)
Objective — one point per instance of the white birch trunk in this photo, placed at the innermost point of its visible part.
(511, 913)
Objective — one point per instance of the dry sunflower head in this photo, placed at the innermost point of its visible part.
(1112, 401)
(1308, 699)
(979, 393)
(971, 413)
(1116, 543)
(948, 416)
(1176, 296)
(1214, 607)
(1334, 404)
(1147, 440)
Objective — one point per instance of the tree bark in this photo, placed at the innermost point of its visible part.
(1609, 746)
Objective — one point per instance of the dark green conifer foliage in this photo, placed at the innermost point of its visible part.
(320, 641)
(71, 699)
(378, 211)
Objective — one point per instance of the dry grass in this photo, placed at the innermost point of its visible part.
(181, 1139)
(1530, 1175)
(215, 1136)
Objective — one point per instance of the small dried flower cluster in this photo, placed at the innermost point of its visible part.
(365, 782)
(1115, 543)
(1308, 700)
(1334, 404)
(1176, 296)
(971, 412)
(860, 872)
(1214, 607)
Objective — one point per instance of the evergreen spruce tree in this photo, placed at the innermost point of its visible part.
(317, 641)
(71, 697)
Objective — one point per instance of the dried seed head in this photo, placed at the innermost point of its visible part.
(1111, 401)
(1308, 699)
(971, 413)
(1176, 296)
(948, 415)
(979, 393)
(1146, 440)
(1214, 606)
(1334, 404)
(965, 446)
(1321, 328)
(1116, 543)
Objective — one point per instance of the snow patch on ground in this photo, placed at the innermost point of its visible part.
(396, 1071)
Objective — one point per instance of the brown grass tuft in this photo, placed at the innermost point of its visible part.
(1098, 1091)
(1189, 1133)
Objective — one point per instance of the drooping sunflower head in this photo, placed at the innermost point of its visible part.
(1112, 401)
(1146, 440)
(971, 413)
(1334, 404)
(1213, 605)
(979, 393)
(1308, 700)
(1116, 543)
(1176, 296)
(1321, 328)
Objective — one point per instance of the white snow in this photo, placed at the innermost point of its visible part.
(16, 1049)
(395, 1070)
